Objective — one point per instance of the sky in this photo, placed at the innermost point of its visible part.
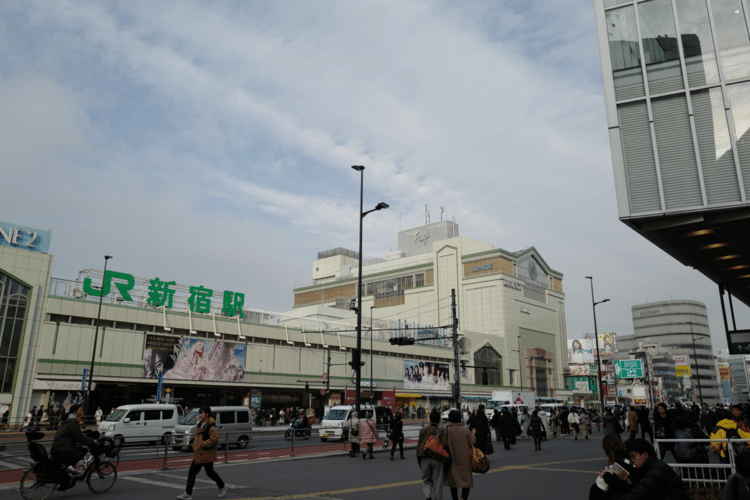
(211, 143)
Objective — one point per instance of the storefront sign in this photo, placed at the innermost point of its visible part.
(26, 238)
(681, 365)
(426, 376)
(628, 368)
(580, 370)
(389, 399)
(57, 385)
(193, 359)
(483, 267)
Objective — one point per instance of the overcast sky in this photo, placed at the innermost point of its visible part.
(212, 143)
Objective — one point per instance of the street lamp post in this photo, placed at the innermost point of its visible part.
(371, 387)
(697, 370)
(596, 339)
(96, 337)
(521, 368)
(357, 356)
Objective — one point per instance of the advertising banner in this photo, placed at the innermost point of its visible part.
(421, 375)
(582, 386)
(607, 345)
(724, 373)
(581, 351)
(350, 395)
(681, 365)
(572, 383)
(389, 399)
(580, 370)
(193, 359)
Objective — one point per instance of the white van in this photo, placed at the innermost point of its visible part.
(142, 422)
(332, 426)
(234, 423)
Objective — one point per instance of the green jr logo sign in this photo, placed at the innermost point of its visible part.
(159, 294)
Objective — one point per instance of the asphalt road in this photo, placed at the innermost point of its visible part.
(564, 469)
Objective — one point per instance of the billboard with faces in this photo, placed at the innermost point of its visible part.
(423, 375)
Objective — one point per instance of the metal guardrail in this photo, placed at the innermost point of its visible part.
(703, 474)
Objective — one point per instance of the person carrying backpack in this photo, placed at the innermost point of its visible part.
(686, 451)
(726, 428)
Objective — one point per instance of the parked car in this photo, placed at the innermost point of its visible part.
(142, 422)
(233, 423)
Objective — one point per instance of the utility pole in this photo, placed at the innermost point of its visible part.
(456, 354)
(328, 379)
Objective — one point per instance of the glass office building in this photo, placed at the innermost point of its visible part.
(676, 77)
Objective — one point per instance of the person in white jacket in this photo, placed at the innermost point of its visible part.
(574, 420)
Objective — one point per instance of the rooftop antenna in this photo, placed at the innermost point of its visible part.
(442, 209)
(425, 214)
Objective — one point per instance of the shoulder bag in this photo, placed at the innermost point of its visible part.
(479, 463)
(434, 449)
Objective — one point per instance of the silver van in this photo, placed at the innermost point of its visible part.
(332, 426)
(233, 423)
(142, 422)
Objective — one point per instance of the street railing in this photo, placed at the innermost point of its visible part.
(703, 473)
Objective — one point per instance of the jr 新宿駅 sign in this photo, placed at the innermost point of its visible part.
(160, 294)
(25, 238)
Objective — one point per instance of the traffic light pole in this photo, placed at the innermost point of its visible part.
(456, 355)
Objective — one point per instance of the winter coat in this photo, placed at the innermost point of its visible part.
(573, 418)
(586, 419)
(353, 425)
(736, 488)
(663, 424)
(726, 427)
(507, 428)
(67, 436)
(632, 421)
(643, 419)
(536, 427)
(655, 480)
(707, 420)
(397, 431)
(368, 432)
(525, 423)
(457, 439)
(204, 445)
(425, 433)
(608, 420)
(482, 426)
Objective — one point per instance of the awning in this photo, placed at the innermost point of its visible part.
(408, 395)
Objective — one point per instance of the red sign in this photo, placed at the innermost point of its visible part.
(325, 377)
(350, 396)
(389, 399)
(322, 392)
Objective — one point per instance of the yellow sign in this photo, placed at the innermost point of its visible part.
(167, 390)
(682, 370)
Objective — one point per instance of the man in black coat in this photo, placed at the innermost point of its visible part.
(652, 479)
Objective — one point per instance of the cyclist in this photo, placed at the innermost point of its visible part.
(68, 436)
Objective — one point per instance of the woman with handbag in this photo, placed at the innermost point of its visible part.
(459, 441)
(368, 434)
(397, 436)
(352, 429)
(204, 453)
(481, 430)
(432, 468)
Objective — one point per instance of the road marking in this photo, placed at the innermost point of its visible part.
(562, 470)
(175, 484)
(409, 483)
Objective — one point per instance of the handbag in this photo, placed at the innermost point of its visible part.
(490, 448)
(434, 449)
(479, 462)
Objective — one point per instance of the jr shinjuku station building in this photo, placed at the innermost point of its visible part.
(159, 340)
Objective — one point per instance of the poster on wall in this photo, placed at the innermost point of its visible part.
(428, 376)
(580, 370)
(193, 359)
(580, 351)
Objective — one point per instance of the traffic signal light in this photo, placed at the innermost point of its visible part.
(356, 359)
(401, 341)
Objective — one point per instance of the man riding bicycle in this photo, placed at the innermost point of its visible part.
(68, 436)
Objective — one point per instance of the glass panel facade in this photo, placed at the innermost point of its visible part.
(717, 158)
(739, 98)
(624, 53)
(660, 50)
(640, 163)
(13, 304)
(732, 34)
(697, 44)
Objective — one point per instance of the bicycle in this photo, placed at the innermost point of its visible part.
(46, 475)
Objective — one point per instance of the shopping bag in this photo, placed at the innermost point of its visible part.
(479, 462)
(434, 449)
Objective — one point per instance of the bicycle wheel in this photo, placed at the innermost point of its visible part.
(102, 477)
(33, 487)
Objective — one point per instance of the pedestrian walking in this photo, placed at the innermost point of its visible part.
(352, 427)
(507, 429)
(481, 430)
(611, 425)
(98, 415)
(574, 421)
(663, 424)
(536, 427)
(495, 424)
(564, 425)
(368, 434)
(6, 418)
(432, 470)
(585, 424)
(525, 419)
(554, 421)
(397, 436)
(632, 424)
(459, 441)
(204, 453)
(644, 422)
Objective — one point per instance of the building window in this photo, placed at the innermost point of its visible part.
(488, 367)
(14, 299)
